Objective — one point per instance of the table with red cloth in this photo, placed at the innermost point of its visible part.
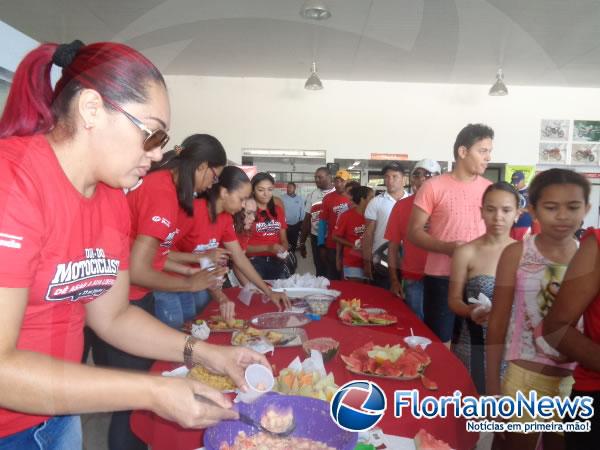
(445, 369)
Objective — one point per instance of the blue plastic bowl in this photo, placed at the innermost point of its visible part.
(312, 421)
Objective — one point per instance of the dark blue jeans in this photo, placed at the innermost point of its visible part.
(268, 267)
(57, 433)
(437, 314)
(174, 308)
(413, 296)
(120, 436)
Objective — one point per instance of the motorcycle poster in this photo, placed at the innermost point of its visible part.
(553, 153)
(586, 130)
(554, 130)
(585, 154)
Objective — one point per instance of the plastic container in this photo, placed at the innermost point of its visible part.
(312, 417)
(319, 303)
(414, 341)
(259, 379)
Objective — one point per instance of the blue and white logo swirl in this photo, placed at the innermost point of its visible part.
(358, 405)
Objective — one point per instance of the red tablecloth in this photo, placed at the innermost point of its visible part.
(445, 369)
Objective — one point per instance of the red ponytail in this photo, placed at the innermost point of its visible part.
(28, 106)
(119, 73)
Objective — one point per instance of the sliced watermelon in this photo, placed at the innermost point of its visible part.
(359, 316)
(429, 384)
(352, 363)
(419, 354)
(346, 317)
(425, 441)
(382, 319)
(327, 346)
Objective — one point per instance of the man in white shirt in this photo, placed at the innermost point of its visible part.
(312, 208)
(376, 215)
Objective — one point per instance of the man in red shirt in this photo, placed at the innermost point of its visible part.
(334, 204)
(414, 258)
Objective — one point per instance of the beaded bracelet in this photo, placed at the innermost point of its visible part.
(188, 350)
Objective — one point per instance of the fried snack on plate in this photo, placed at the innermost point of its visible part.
(219, 382)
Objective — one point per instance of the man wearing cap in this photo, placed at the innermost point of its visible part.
(334, 204)
(294, 214)
(413, 258)
(376, 219)
(525, 221)
(312, 208)
(451, 205)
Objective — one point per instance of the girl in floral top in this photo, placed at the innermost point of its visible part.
(527, 280)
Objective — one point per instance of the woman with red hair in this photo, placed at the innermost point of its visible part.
(65, 155)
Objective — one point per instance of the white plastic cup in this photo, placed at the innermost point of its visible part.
(414, 341)
(259, 379)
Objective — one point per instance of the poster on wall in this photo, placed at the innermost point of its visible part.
(586, 130)
(517, 174)
(553, 153)
(554, 130)
(585, 154)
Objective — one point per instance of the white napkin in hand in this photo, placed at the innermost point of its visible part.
(485, 305)
(245, 295)
(283, 255)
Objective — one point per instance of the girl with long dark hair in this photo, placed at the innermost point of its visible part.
(212, 226)
(268, 243)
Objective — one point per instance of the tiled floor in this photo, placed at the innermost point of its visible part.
(95, 426)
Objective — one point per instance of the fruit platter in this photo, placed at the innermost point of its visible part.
(286, 337)
(305, 384)
(394, 362)
(352, 314)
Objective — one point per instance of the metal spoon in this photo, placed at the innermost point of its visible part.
(249, 421)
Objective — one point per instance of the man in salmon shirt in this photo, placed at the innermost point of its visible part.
(451, 204)
(334, 204)
(414, 258)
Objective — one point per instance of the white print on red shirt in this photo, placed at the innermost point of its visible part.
(204, 247)
(85, 279)
(10, 241)
(359, 231)
(342, 207)
(165, 222)
(168, 242)
(270, 228)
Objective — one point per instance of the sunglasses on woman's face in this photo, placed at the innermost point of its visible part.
(154, 138)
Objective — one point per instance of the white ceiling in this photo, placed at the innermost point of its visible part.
(537, 42)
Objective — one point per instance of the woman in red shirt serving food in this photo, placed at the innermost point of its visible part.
(65, 155)
(212, 226)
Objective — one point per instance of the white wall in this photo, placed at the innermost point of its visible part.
(353, 119)
(14, 46)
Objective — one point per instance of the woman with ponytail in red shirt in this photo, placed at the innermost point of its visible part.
(65, 155)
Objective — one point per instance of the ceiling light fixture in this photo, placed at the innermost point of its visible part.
(315, 10)
(499, 88)
(314, 82)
